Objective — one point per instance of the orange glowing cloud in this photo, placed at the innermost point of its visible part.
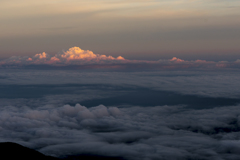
(77, 56)
(29, 59)
(175, 59)
(54, 59)
(76, 53)
(120, 58)
(41, 55)
(73, 56)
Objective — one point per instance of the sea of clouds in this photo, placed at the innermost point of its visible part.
(223, 83)
(160, 132)
(54, 122)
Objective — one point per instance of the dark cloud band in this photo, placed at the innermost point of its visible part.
(131, 133)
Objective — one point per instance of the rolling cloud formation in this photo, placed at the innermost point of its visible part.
(131, 133)
(53, 119)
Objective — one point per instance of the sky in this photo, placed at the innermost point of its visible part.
(134, 29)
(126, 79)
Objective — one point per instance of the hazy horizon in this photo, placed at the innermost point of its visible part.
(144, 29)
(126, 79)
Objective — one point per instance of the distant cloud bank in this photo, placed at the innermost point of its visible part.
(74, 56)
(78, 57)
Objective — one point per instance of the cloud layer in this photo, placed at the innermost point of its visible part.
(75, 56)
(54, 121)
(161, 132)
(202, 83)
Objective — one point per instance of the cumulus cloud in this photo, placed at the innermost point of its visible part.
(131, 132)
(79, 57)
(41, 56)
(175, 59)
(161, 132)
(73, 56)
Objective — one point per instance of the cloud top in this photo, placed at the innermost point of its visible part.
(131, 133)
(74, 56)
(77, 53)
(78, 56)
(175, 59)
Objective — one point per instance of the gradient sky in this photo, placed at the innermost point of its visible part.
(134, 29)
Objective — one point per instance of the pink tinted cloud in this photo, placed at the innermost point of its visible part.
(175, 59)
(77, 56)
(74, 55)
(41, 55)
